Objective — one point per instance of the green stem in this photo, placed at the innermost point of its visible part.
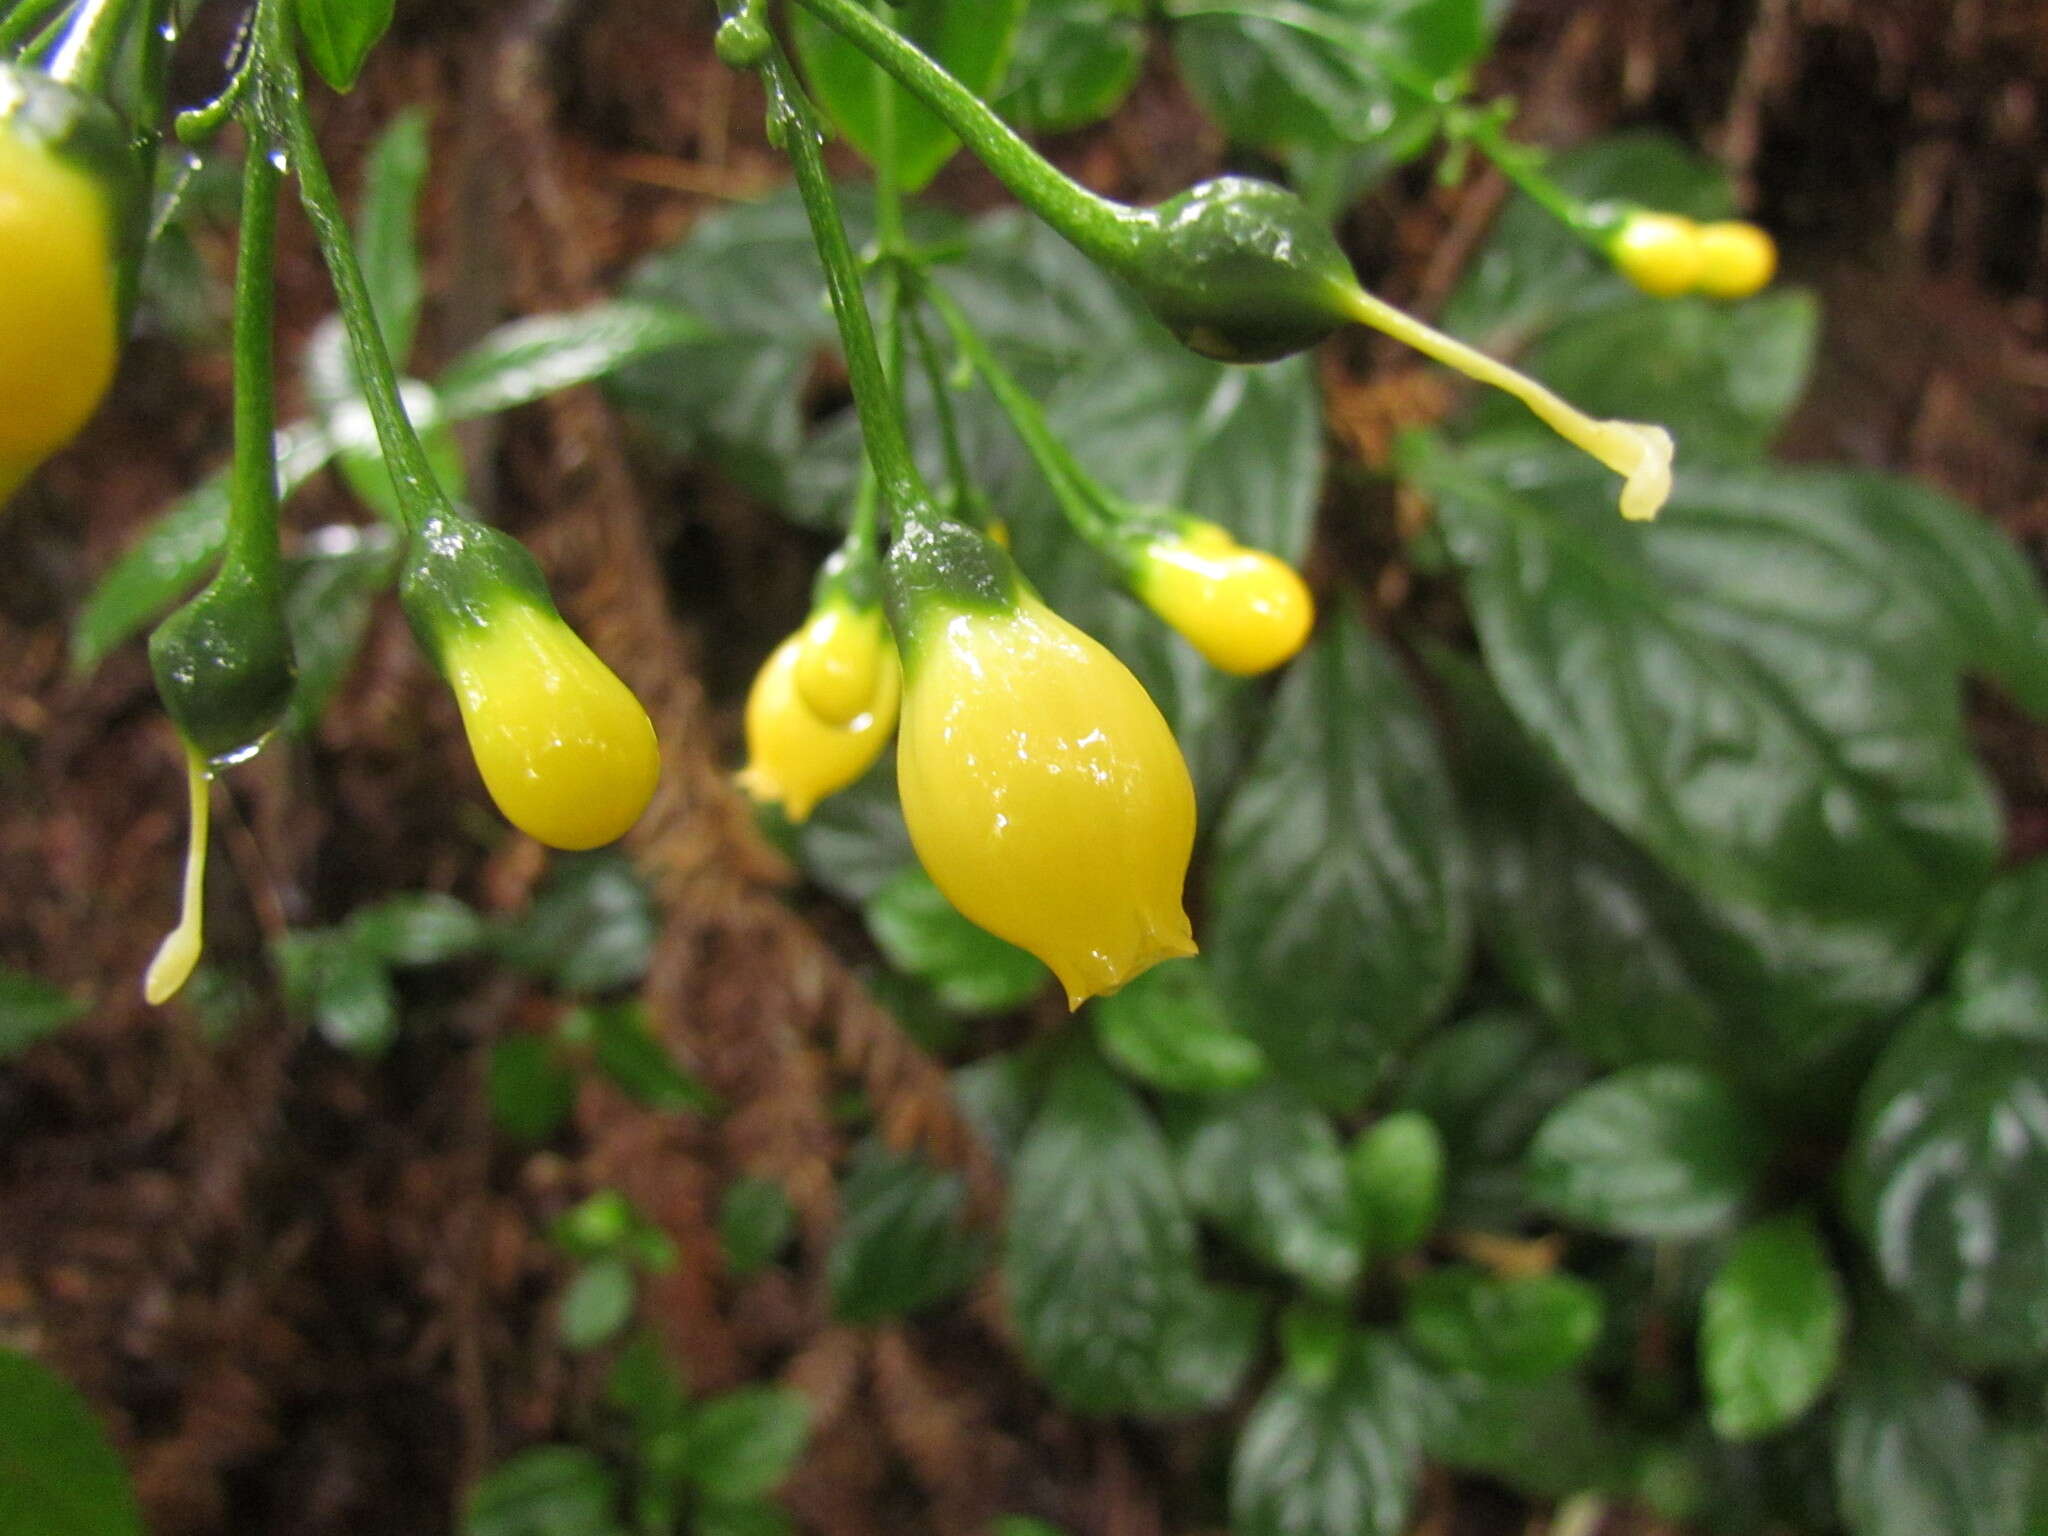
(252, 504)
(794, 127)
(1522, 165)
(1106, 231)
(92, 46)
(964, 504)
(18, 23)
(420, 497)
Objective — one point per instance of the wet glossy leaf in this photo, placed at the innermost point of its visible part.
(1770, 1328)
(2001, 975)
(1664, 1151)
(1338, 924)
(1948, 1182)
(1168, 1028)
(532, 358)
(387, 232)
(971, 971)
(1075, 61)
(339, 34)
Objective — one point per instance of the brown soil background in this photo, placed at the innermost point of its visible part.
(309, 1294)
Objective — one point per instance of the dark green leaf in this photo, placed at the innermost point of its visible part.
(1335, 1458)
(178, 549)
(644, 1384)
(855, 842)
(903, 1245)
(331, 591)
(529, 1091)
(876, 115)
(1364, 76)
(1338, 927)
(591, 928)
(58, 1474)
(1100, 1261)
(1662, 1151)
(1770, 1328)
(1752, 689)
(424, 928)
(1520, 1328)
(631, 1057)
(601, 1226)
(1546, 1438)
(1267, 1169)
(387, 227)
(751, 1517)
(2001, 975)
(742, 1445)
(1075, 62)
(1487, 1084)
(344, 986)
(550, 1490)
(30, 1008)
(597, 1304)
(1169, 1029)
(754, 1225)
(1914, 1456)
(970, 970)
(339, 34)
(1948, 1181)
(1722, 377)
(998, 1096)
(1396, 1174)
(532, 358)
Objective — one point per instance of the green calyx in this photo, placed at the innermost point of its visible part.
(223, 664)
(1240, 271)
(87, 134)
(459, 574)
(935, 570)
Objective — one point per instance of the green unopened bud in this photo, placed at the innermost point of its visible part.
(1397, 1181)
(223, 664)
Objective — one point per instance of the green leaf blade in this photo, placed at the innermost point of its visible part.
(1771, 1328)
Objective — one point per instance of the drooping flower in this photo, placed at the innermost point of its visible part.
(1246, 611)
(795, 758)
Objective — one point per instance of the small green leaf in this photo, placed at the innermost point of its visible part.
(339, 34)
(855, 842)
(1548, 1438)
(600, 1226)
(742, 1445)
(876, 115)
(1662, 1151)
(754, 1225)
(529, 1092)
(345, 988)
(903, 1246)
(532, 358)
(752, 1517)
(631, 1057)
(425, 928)
(1099, 1259)
(1770, 1328)
(1169, 1029)
(30, 1008)
(331, 593)
(1338, 1458)
(1267, 1169)
(1075, 62)
(58, 1474)
(1339, 927)
(970, 971)
(387, 227)
(1396, 1174)
(644, 1384)
(1522, 1328)
(550, 1490)
(1948, 1182)
(2001, 975)
(591, 928)
(598, 1303)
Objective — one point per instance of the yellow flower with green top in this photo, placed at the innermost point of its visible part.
(1246, 611)
(1658, 252)
(795, 758)
(1737, 259)
(564, 748)
(845, 659)
(1044, 792)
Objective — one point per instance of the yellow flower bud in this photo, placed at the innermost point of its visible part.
(1044, 793)
(1245, 610)
(565, 749)
(1659, 253)
(1737, 259)
(843, 653)
(795, 758)
(58, 326)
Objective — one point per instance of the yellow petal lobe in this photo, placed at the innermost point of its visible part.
(564, 748)
(1246, 611)
(1737, 259)
(178, 955)
(1045, 794)
(842, 654)
(795, 759)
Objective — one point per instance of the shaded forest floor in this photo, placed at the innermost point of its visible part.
(309, 1293)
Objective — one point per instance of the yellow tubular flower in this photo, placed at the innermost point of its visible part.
(794, 757)
(1737, 259)
(1658, 252)
(178, 955)
(842, 655)
(1044, 793)
(58, 327)
(565, 749)
(1246, 611)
